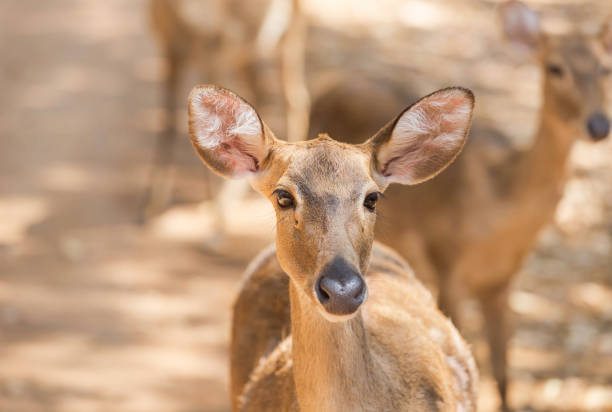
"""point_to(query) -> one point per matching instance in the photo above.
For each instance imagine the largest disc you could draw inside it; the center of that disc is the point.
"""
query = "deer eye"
(605, 71)
(370, 201)
(284, 199)
(554, 69)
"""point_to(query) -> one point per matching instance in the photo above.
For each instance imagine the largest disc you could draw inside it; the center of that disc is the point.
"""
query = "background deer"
(234, 43)
(365, 334)
(469, 230)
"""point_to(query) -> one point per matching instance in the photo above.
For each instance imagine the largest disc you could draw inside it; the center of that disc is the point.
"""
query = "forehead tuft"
(324, 164)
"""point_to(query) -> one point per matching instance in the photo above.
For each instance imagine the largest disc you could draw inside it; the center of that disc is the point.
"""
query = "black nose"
(340, 288)
(598, 126)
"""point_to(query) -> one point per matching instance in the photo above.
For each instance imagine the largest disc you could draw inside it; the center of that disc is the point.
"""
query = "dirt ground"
(99, 313)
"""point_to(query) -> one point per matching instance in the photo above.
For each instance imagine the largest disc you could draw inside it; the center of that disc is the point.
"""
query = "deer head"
(576, 68)
(325, 192)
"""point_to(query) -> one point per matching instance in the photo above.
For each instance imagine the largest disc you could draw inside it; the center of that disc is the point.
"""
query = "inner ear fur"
(417, 154)
(227, 132)
(521, 26)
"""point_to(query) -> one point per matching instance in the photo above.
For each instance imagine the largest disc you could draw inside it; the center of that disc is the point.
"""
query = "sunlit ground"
(97, 313)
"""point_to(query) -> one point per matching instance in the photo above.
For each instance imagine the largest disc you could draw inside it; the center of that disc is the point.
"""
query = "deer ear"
(227, 132)
(606, 35)
(425, 138)
(521, 26)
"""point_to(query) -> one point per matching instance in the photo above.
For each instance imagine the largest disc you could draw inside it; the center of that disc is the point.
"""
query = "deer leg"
(293, 68)
(449, 297)
(496, 312)
(160, 186)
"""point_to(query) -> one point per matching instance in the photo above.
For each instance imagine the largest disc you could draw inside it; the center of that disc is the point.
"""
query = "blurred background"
(99, 311)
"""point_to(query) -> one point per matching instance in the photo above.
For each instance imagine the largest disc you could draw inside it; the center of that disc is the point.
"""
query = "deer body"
(332, 321)
(422, 365)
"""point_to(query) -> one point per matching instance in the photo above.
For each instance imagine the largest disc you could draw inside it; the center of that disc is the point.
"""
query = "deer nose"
(598, 126)
(340, 288)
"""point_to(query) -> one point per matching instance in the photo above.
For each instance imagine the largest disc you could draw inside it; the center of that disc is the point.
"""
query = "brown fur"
(468, 230)
(263, 304)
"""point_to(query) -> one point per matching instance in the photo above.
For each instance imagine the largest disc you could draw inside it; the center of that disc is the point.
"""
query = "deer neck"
(546, 162)
(332, 364)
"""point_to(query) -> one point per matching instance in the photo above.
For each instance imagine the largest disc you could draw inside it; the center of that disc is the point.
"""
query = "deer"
(327, 319)
(232, 43)
(467, 232)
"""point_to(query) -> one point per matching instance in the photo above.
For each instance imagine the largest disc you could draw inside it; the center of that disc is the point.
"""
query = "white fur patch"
(462, 365)
(462, 379)
(247, 124)
(437, 335)
(413, 122)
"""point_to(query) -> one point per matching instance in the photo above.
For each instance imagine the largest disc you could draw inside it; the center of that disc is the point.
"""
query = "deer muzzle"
(598, 126)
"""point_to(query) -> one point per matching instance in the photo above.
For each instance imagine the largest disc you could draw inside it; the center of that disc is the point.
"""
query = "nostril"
(322, 294)
(598, 126)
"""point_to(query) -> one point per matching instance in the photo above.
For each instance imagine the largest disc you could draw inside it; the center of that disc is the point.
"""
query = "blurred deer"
(365, 334)
(230, 43)
(470, 229)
